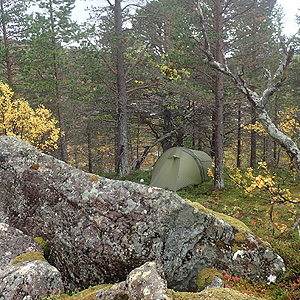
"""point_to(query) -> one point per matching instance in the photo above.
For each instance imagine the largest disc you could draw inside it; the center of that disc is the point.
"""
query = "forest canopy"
(133, 80)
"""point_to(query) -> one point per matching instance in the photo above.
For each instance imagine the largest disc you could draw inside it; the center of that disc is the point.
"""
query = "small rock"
(143, 283)
(29, 280)
(217, 282)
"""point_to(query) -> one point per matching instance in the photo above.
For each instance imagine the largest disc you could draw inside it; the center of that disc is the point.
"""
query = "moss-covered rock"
(44, 245)
(206, 277)
(29, 256)
(235, 223)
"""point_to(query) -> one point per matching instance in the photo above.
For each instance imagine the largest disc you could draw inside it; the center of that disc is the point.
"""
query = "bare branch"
(295, 224)
(150, 146)
(108, 64)
(107, 85)
(110, 4)
(151, 85)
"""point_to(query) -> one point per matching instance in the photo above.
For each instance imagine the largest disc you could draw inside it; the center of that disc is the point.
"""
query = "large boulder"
(99, 229)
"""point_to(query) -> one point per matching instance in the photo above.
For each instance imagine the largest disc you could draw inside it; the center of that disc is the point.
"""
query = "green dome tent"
(179, 167)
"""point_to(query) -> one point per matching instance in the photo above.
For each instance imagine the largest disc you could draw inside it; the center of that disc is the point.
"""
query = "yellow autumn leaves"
(263, 185)
(17, 118)
(286, 120)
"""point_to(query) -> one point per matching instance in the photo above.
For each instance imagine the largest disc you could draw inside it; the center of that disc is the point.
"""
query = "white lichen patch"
(135, 276)
(25, 269)
(86, 194)
(3, 227)
(238, 253)
(271, 279)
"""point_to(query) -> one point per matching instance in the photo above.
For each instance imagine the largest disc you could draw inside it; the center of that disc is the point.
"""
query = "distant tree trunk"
(122, 154)
(274, 151)
(275, 145)
(8, 61)
(89, 142)
(253, 163)
(167, 127)
(213, 137)
(219, 94)
(239, 137)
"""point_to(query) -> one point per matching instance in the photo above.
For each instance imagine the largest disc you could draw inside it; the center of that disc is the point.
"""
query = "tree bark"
(167, 127)
(253, 163)
(239, 137)
(122, 153)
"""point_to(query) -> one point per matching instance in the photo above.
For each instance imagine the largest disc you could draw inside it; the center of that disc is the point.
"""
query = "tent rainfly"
(179, 167)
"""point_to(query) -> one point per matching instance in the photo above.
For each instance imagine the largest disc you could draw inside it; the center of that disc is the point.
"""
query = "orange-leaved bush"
(17, 118)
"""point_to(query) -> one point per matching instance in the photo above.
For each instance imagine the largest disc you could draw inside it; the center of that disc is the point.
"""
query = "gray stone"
(99, 229)
(143, 283)
(217, 282)
(14, 242)
(30, 281)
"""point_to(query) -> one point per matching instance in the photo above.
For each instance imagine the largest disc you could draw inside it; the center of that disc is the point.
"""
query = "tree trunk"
(122, 154)
(167, 127)
(239, 137)
(253, 163)
(219, 94)
(8, 61)
(89, 141)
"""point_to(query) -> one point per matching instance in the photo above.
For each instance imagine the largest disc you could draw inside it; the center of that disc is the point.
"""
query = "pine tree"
(49, 31)
(13, 19)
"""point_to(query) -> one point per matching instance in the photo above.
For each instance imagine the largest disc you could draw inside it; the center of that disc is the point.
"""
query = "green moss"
(88, 294)
(235, 247)
(239, 225)
(44, 245)
(213, 294)
(206, 276)
(28, 256)
(239, 238)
